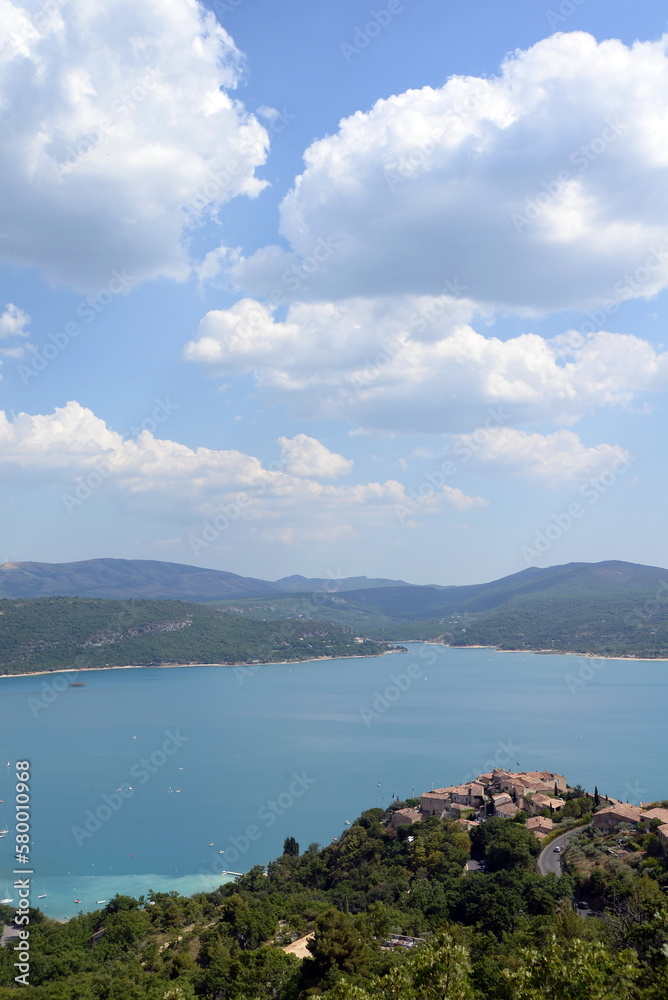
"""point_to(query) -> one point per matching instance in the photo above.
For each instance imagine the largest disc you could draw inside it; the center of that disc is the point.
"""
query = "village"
(539, 795)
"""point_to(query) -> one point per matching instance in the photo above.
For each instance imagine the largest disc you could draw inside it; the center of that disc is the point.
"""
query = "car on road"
(557, 850)
(582, 905)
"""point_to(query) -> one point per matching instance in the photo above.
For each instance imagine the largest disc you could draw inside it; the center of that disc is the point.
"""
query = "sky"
(334, 289)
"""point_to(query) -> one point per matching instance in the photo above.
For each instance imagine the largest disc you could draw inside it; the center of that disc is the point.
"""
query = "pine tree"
(291, 847)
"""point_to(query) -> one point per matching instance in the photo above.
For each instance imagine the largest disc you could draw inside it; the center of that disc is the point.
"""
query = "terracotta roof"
(546, 800)
(469, 823)
(540, 822)
(507, 809)
(408, 815)
(623, 812)
(657, 813)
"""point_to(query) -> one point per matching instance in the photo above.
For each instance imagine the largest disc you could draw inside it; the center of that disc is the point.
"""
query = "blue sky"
(334, 289)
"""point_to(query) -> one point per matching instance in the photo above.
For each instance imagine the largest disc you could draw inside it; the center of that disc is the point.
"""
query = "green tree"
(336, 944)
(574, 970)
(291, 847)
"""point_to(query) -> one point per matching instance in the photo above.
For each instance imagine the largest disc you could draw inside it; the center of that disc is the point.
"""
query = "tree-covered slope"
(504, 934)
(605, 609)
(53, 633)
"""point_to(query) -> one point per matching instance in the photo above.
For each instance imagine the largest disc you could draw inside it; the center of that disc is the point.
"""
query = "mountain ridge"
(125, 579)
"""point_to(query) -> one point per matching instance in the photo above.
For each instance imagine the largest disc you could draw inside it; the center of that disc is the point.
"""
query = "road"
(549, 860)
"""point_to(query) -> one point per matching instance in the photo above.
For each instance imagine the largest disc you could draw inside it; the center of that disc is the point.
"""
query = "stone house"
(662, 834)
(540, 825)
(533, 804)
(613, 816)
(402, 817)
(506, 810)
(432, 803)
(472, 795)
(456, 810)
(656, 813)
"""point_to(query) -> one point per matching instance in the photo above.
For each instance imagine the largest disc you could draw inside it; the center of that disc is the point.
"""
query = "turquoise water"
(296, 749)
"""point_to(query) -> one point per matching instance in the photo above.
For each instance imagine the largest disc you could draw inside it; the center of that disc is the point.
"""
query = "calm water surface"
(296, 749)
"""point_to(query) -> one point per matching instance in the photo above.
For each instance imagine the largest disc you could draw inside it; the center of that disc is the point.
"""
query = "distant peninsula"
(69, 633)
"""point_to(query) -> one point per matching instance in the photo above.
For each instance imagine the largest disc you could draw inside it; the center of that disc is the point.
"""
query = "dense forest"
(631, 626)
(505, 933)
(603, 610)
(55, 633)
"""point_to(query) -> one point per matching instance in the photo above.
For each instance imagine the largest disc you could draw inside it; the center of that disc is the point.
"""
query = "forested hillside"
(605, 609)
(55, 633)
(504, 934)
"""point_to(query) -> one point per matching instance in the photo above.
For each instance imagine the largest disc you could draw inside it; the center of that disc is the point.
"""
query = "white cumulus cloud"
(118, 131)
(306, 456)
(542, 188)
(74, 452)
(552, 460)
(410, 364)
(13, 322)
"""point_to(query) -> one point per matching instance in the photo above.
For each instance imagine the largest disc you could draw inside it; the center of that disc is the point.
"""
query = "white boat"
(101, 900)
(3, 833)
(6, 900)
(43, 896)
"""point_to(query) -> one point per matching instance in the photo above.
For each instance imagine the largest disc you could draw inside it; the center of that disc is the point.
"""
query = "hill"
(124, 579)
(387, 910)
(60, 633)
(609, 609)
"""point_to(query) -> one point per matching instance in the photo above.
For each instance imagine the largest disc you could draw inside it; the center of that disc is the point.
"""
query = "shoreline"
(557, 652)
(170, 666)
(353, 656)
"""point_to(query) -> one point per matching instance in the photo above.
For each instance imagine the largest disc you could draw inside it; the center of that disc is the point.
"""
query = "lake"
(138, 772)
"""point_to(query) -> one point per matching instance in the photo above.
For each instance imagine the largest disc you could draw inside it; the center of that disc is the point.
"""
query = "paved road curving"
(549, 860)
